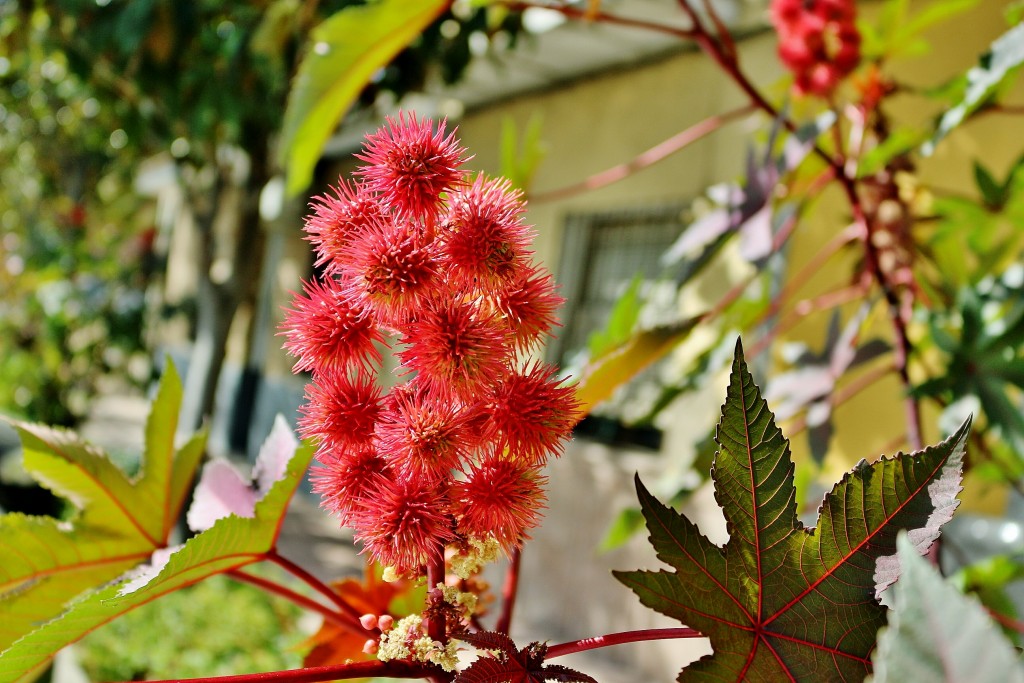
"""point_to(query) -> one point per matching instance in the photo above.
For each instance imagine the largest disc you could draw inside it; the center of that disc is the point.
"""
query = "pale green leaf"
(230, 543)
(344, 53)
(119, 522)
(937, 634)
(604, 374)
(999, 63)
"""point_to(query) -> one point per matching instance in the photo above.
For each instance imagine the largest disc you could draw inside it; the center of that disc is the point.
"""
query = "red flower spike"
(393, 268)
(337, 220)
(532, 412)
(818, 41)
(343, 481)
(325, 329)
(340, 412)
(456, 347)
(485, 241)
(402, 523)
(410, 165)
(499, 497)
(529, 305)
(422, 436)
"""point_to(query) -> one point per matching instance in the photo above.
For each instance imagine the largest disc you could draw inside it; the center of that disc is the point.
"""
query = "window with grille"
(601, 255)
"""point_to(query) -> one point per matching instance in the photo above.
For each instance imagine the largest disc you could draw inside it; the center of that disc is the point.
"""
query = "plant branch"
(335, 672)
(313, 582)
(844, 394)
(435, 576)
(619, 638)
(509, 591)
(653, 155)
(805, 307)
(903, 346)
(342, 620)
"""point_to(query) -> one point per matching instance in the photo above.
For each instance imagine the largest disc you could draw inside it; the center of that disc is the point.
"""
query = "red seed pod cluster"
(419, 255)
(818, 41)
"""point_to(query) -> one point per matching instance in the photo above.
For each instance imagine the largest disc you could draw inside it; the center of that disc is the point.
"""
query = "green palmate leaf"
(781, 602)
(345, 51)
(120, 521)
(603, 374)
(999, 63)
(230, 543)
(937, 634)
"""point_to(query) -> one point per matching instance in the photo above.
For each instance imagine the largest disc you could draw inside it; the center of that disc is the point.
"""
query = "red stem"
(335, 672)
(845, 394)
(655, 154)
(903, 346)
(435, 575)
(619, 638)
(301, 600)
(509, 591)
(314, 583)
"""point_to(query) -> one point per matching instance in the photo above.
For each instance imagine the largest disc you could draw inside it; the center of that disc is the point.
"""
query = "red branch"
(509, 591)
(435, 575)
(336, 672)
(314, 583)
(620, 638)
(655, 154)
(343, 620)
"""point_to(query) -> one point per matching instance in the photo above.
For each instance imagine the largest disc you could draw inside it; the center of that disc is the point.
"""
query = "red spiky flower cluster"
(418, 253)
(818, 41)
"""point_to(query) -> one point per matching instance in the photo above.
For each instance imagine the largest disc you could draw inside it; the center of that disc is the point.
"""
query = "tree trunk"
(217, 302)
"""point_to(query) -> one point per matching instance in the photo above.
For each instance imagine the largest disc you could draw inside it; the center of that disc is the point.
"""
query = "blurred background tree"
(91, 89)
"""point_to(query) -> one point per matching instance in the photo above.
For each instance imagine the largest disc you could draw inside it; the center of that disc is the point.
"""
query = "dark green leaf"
(781, 602)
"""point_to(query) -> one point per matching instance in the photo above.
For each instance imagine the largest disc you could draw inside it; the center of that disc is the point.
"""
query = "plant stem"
(435, 576)
(313, 582)
(619, 638)
(837, 398)
(297, 598)
(509, 591)
(653, 155)
(335, 672)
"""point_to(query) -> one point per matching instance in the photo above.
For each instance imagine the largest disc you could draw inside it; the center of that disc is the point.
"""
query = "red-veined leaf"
(780, 602)
(120, 522)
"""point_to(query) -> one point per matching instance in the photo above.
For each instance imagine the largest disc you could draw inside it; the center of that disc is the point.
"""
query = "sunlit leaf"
(344, 53)
(995, 66)
(606, 373)
(779, 601)
(230, 543)
(936, 634)
(119, 521)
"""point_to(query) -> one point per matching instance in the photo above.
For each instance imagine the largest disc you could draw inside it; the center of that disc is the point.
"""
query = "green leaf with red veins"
(118, 524)
(231, 541)
(780, 602)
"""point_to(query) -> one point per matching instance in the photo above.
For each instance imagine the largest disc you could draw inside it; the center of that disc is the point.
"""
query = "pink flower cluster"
(436, 266)
(818, 41)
